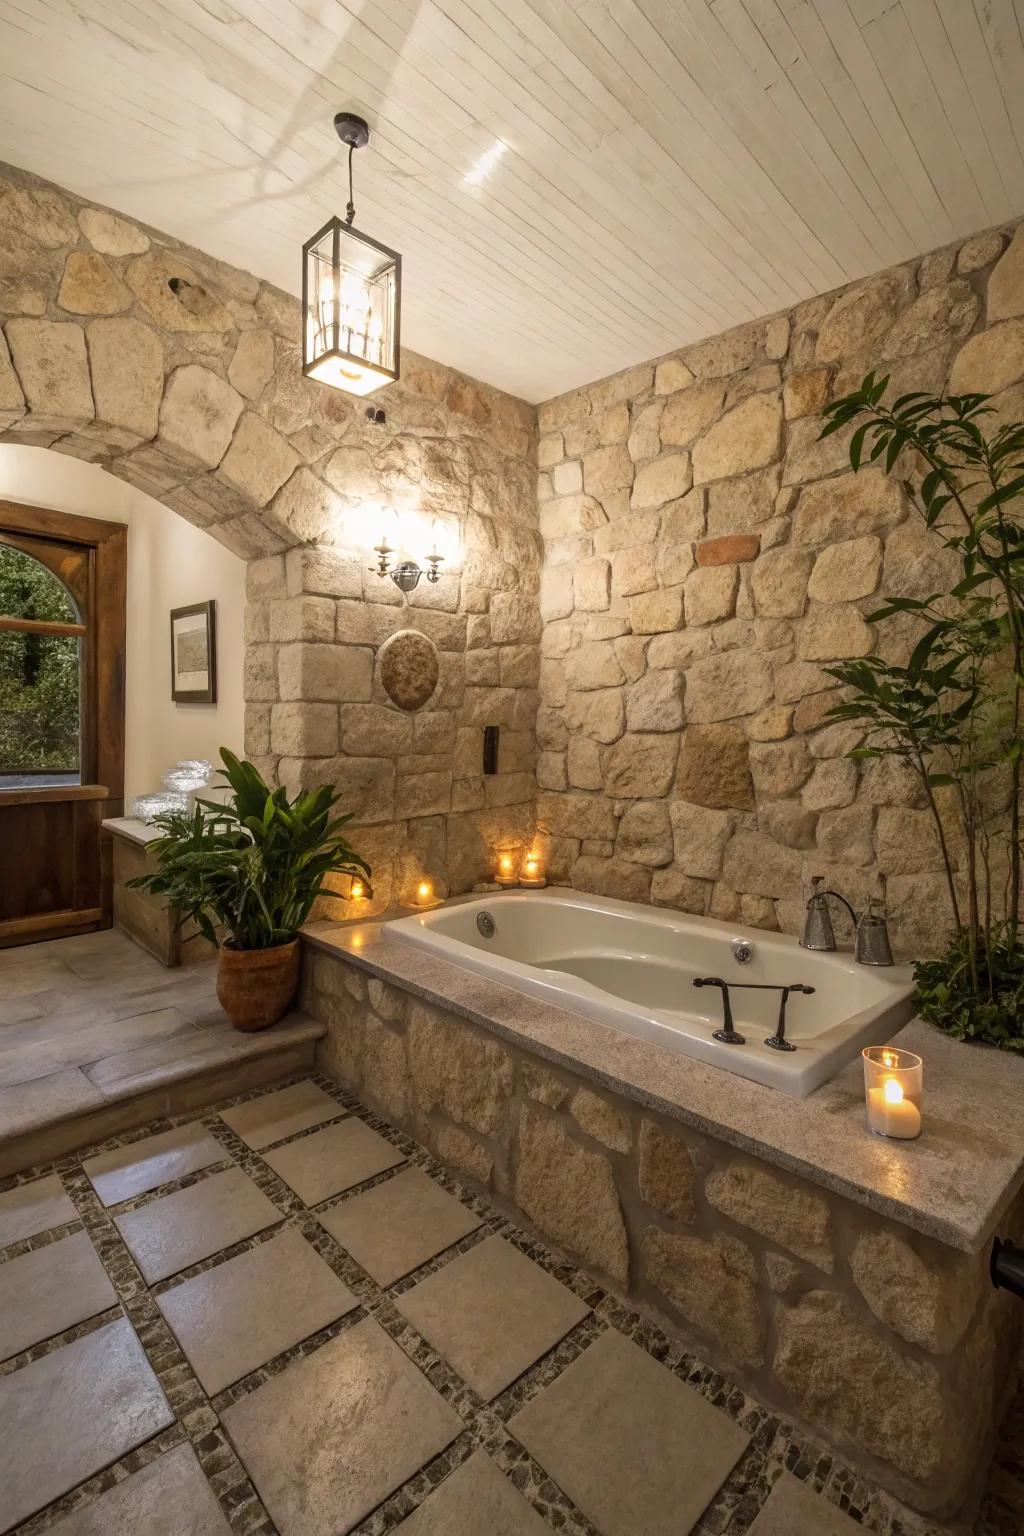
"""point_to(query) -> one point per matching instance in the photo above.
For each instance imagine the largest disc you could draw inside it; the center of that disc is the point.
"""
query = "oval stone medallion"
(409, 668)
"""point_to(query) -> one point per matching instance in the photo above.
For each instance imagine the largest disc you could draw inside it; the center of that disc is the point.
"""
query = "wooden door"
(62, 642)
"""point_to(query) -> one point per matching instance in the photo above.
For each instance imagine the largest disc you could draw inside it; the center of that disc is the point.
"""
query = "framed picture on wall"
(194, 654)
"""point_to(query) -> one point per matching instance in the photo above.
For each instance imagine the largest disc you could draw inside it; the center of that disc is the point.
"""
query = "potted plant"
(248, 872)
(953, 710)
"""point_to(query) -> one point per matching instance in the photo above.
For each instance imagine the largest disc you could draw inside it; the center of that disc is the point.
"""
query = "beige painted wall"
(170, 564)
(707, 558)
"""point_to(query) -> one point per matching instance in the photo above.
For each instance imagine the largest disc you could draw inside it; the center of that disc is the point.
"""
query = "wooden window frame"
(103, 667)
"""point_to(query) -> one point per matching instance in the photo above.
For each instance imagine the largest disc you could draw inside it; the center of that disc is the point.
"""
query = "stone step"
(50, 1116)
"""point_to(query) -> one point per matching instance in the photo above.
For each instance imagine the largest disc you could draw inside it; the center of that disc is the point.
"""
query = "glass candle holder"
(507, 874)
(531, 874)
(893, 1091)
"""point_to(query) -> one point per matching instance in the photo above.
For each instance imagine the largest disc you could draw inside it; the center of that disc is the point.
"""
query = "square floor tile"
(178, 1230)
(333, 1159)
(491, 1313)
(32, 1208)
(476, 1500)
(397, 1226)
(632, 1445)
(144, 1165)
(71, 1413)
(793, 1509)
(241, 1314)
(51, 1289)
(338, 1431)
(169, 1497)
(273, 1116)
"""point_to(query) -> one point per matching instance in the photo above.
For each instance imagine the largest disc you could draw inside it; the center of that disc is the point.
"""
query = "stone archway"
(182, 375)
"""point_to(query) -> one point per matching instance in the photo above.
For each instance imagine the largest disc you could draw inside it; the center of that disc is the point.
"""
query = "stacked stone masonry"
(707, 558)
(693, 561)
(893, 1344)
(183, 376)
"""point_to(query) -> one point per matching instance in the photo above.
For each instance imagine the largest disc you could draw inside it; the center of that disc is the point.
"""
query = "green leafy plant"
(953, 710)
(252, 867)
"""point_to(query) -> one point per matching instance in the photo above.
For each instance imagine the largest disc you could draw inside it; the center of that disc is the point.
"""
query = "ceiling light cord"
(350, 211)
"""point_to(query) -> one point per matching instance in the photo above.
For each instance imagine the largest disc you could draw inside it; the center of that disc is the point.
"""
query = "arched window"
(42, 653)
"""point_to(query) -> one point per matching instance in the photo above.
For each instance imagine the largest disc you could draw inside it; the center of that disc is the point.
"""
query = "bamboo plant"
(953, 710)
(252, 868)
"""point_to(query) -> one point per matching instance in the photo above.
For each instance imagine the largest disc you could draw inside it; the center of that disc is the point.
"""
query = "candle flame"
(506, 863)
(358, 890)
(893, 1091)
(531, 866)
(423, 890)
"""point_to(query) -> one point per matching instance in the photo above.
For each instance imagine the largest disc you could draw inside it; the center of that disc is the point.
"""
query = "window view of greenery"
(39, 674)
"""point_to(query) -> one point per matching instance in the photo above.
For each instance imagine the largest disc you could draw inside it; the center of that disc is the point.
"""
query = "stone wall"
(182, 375)
(705, 558)
(893, 1345)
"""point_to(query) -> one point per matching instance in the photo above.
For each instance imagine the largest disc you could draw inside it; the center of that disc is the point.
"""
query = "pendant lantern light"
(351, 295)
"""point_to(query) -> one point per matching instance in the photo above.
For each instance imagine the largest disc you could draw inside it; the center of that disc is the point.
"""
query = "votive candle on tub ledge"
(423, 896)
(893, 1091)
(532, 875)
(507, 874)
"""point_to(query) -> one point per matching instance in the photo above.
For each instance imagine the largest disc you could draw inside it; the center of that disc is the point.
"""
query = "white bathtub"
(633, 967)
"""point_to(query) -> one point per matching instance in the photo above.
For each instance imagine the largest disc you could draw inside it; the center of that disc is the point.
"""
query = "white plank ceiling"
(575, 184)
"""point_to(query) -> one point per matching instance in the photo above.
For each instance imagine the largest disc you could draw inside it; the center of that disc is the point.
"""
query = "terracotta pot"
(256, 986)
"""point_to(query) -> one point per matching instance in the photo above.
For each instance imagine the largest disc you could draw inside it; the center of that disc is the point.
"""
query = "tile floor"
(282, 1315)
(94, 1020)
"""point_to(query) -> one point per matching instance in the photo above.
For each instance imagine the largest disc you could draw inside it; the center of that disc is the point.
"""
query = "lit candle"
(424, 891)
(531, 875)
(507, 870)
(891, 1113)
(893, 1086)
(358, 891)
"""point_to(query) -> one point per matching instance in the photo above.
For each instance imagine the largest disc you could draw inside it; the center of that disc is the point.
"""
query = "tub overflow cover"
(485, 923)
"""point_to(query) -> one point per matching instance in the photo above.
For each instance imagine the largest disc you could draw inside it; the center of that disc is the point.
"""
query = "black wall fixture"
(490, 749)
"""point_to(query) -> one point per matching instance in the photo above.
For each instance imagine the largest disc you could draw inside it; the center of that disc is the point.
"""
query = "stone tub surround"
(706, 557)
(839, 1276)
(953, 1185)
(195, 394)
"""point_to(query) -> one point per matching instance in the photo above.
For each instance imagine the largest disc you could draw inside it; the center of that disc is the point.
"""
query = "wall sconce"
(351, 295)
(405, 573)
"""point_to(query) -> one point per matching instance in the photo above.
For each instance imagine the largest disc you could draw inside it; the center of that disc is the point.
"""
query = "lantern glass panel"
(351, 289)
